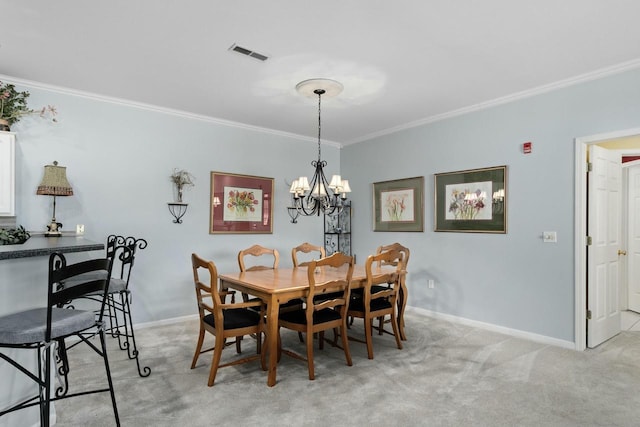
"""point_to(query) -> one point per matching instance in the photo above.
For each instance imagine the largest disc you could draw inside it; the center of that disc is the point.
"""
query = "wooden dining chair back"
(263, 258)
(257, 257)
(320, 315)
(309, 250)
(379, 294)
(402, 292)
(221, 319)
(394, 246)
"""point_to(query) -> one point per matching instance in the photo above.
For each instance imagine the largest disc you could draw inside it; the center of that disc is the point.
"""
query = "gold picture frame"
(240, 204)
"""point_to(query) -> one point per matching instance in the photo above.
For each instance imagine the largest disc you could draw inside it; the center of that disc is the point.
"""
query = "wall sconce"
(177, 210)
(181, 180)
(293, 213)
(54, 183)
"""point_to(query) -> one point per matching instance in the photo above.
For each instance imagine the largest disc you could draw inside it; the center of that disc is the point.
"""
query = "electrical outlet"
(432, 284)
(80, 229)
(549, 237)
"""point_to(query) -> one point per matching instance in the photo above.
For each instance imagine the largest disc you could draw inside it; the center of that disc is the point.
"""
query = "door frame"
(625, 220)
(580, 229)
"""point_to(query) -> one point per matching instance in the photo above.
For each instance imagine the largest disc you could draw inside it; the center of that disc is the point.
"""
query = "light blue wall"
(118, 161)
(512, 280)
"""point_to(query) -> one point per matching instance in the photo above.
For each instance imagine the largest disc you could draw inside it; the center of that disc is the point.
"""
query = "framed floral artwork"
(240, 204)
(398, 205)
(472, 201)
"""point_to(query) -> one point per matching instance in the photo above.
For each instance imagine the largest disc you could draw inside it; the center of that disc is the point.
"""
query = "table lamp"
(54, 183)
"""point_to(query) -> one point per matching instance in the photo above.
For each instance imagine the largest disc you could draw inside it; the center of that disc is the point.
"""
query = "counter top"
(44, 246)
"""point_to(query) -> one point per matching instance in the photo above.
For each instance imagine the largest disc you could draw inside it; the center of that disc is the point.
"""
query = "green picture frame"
(471, 201)
(398, 205)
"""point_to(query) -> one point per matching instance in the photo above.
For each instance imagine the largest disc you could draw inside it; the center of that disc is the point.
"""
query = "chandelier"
(318, 195)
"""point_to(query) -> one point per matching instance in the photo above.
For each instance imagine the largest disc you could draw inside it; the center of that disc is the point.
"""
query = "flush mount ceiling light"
(318, 195)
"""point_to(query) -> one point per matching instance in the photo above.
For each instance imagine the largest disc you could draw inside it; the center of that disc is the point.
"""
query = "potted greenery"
(13, 236)
(13, 106)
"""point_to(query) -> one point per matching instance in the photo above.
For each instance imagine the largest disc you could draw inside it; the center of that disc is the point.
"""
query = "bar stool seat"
(30, 326)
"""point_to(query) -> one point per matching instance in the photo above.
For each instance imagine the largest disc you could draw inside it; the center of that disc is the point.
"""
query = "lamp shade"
(54, 182)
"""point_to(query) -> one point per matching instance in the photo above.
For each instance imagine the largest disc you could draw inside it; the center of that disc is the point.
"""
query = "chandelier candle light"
(54, 183)
(318, 195)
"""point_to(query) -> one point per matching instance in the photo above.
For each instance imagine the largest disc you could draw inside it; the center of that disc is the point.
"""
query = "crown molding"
(158, 109)
(583, 78)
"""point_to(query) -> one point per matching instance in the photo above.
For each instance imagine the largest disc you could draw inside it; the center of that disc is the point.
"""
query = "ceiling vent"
(248, 52)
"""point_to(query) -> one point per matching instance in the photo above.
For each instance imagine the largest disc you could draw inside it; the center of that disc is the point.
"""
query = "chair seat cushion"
(330, 295)
(26, 327)
(357, 304)
(374, 289)
(116, 284)
(235, 318)
(300, 316)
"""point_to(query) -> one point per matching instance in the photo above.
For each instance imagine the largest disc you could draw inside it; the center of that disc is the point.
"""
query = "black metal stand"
(178, 210)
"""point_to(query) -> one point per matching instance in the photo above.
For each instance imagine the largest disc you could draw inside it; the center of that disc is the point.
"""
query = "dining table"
(277, 286)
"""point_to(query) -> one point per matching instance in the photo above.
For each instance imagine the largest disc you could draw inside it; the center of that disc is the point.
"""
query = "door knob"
(621, 252)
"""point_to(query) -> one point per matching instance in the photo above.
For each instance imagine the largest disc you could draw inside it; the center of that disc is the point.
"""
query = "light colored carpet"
(446, 375)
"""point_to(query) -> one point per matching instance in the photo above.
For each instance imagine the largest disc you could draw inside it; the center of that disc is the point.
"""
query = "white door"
(633, 237)
(604, 206)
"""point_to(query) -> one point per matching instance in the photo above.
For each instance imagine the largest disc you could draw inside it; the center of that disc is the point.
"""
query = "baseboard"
(542, 339)
(164, 322)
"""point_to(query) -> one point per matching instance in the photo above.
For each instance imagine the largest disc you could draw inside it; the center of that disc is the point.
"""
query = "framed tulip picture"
(240, 204)
(398, 205)
(472, 201)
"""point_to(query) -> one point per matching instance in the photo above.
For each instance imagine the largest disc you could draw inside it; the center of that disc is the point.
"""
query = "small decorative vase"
(4, 125)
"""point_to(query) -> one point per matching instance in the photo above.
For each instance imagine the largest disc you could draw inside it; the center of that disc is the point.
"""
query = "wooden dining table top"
(283, 280)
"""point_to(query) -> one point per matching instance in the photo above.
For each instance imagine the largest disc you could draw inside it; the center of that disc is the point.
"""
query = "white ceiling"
(401, 62)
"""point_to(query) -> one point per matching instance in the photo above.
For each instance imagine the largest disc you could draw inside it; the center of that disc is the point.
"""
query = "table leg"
(402, 302)
(273, 308)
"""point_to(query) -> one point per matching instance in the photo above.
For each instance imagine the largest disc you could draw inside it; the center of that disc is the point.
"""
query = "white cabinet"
(7, 174)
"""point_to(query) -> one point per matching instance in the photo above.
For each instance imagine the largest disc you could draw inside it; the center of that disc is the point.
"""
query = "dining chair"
(308, 249)
(402, 291)
(379, 295)
(222, 320)
(45, 329)
(320, 315)
(259, 254)
(263, 258)
(120, 295)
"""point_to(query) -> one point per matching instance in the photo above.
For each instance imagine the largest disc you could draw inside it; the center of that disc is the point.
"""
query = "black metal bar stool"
(46, 328)
(119, 298)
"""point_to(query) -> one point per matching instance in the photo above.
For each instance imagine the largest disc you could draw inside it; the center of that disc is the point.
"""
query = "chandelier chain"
(319, 92)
